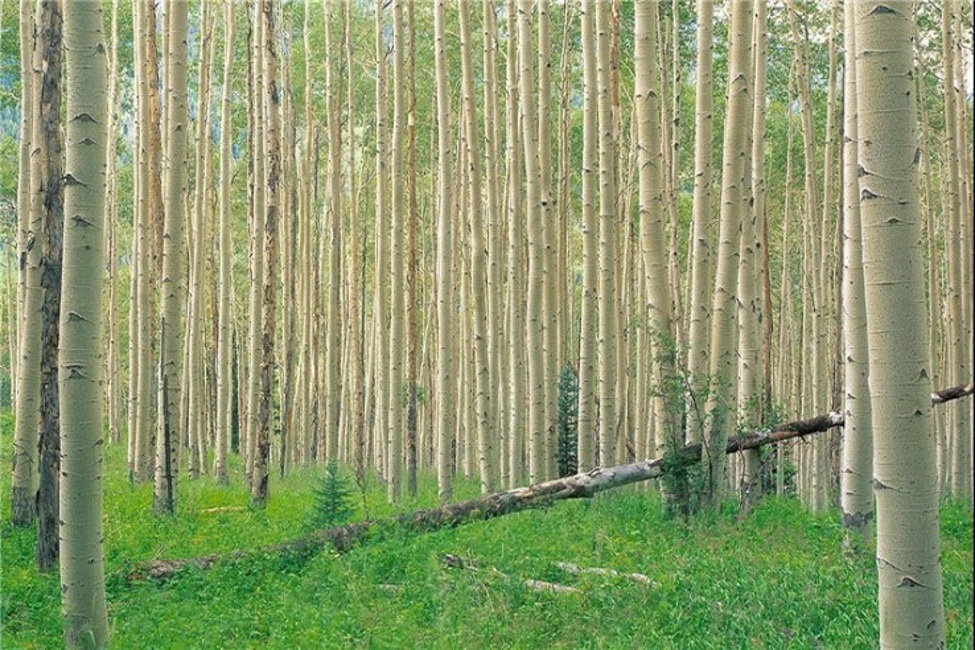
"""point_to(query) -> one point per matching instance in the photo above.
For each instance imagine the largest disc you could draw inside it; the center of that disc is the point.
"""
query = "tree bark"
(48, 148)
(81, 547)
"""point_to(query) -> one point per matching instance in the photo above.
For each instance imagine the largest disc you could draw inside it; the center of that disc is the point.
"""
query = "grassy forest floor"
(774, 579)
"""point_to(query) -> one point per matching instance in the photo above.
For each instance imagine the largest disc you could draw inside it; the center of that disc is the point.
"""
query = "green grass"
(775, 579)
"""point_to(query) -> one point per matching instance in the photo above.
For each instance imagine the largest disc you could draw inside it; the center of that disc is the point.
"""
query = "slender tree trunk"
(699, 310)
(445, 288)
(516, 257)
(82, 557)
(734, 206)
(271, 98)
(397, 268)
(856, 473)
(478, 247)
(905, 475)
(173, 290)
(588, 330)
(608, 326)
(224, 287)
(48, 148)
(26, 369)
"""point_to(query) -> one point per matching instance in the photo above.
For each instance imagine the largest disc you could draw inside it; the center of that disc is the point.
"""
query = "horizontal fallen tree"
(579, 486)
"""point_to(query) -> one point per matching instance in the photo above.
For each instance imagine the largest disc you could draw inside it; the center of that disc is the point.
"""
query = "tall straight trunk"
(516, 257)
(195, 326)
(356, 280)
(258, 265)
(333, 403)
(734, 206)
(958, 340)
(26, 33)
(493, 201)
(533, 198)
(82, 557)
(397, 266)
(856, 470)
(113, 390)
(588, 332)
(750, 271)
(224, 305)
(653, 232)
(549, 233)
(608, 217)
(478, 247)
(150, 247)
(412, 324)
(48, 148)
(26, 368)
(381, 276)
(271, 98)
(445, 288)
(173, 289)
(911, 602)
(699, 309)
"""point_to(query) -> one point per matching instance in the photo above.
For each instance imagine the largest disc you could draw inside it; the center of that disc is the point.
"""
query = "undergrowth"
(774, 579)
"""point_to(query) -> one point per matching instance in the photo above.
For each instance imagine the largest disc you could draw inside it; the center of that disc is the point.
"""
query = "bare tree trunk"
(48, 148)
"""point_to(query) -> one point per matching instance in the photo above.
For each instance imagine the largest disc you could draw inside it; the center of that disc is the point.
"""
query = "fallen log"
(579, 486)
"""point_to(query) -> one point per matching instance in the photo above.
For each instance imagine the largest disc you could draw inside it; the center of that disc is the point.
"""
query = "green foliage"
(776, 578)
(334, 495)
(567, 422)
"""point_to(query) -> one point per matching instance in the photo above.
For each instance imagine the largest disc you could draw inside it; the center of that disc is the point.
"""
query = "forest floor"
(774, 579)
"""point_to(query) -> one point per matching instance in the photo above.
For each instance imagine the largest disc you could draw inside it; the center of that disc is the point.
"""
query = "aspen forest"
(495, 324)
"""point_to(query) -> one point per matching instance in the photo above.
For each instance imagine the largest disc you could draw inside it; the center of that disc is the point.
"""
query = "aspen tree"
(549, 234)
(381, 275)
(307, 265)
(492, 196)
(485, 427)
(750, 379)
(224, 375)
(82, 558)
(958, 361)
(588, 332)
(333, 400)
(48, 147)
(258, 265)
(533, 214)
(412, 326)
(911, 602)
(142, 398)
(856, 471)
(28, 357)
(653, 238)
(356, 280)
(172, 280)
(734, 205)
(516, 257)
(608, 326)
(113, 392)
(699, 309)
(194, 331)
(445, 289)
(271, 99)
(397, 267)
(26, 30)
